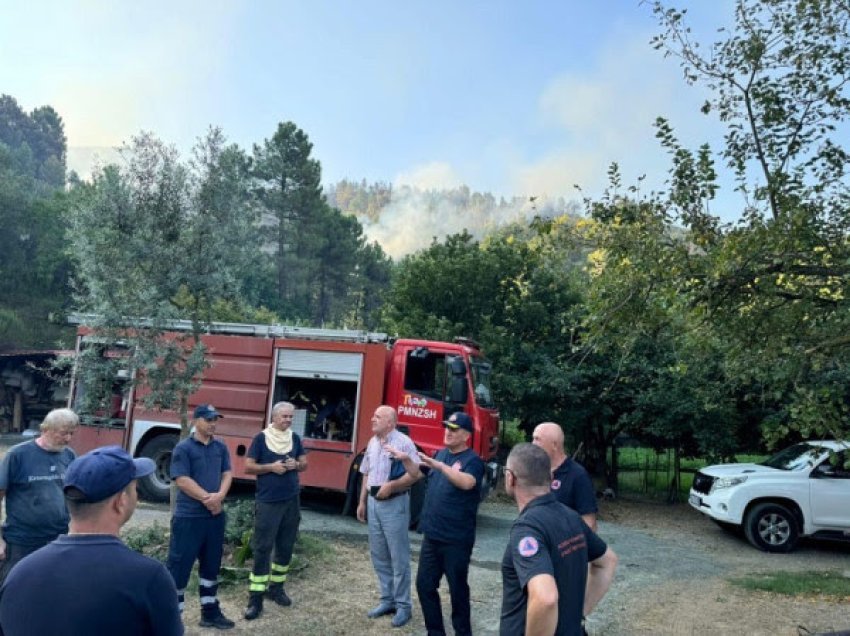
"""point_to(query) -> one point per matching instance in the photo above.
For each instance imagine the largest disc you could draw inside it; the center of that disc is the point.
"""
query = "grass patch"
(831, 584)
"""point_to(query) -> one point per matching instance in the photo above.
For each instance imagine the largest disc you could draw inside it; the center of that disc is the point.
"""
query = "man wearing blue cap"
(94, 584)
(448, 523)
(200, 465)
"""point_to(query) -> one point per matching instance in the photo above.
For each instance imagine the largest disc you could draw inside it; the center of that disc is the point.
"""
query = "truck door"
(435, 386)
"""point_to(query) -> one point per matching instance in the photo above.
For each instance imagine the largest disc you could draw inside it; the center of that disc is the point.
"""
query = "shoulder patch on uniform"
(556, 484)
(528, 546)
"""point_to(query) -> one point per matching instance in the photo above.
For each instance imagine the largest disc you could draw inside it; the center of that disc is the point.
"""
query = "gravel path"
(670, 558)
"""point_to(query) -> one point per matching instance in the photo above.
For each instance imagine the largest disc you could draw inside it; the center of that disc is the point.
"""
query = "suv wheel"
(771, 527)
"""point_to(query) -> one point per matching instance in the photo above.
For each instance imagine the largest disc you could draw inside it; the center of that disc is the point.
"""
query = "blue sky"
(521, 98)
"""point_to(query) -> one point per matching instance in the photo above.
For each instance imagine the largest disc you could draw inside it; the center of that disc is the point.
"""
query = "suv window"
(796, 457)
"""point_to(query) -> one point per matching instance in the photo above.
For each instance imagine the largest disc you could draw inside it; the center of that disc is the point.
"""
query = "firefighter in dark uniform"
(571, 483)
(448, 523)
(276, 456)
(200, 465)
(547, 584)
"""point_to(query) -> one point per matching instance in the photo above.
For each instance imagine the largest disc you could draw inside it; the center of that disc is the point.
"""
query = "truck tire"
(156, 487)
(771, 527)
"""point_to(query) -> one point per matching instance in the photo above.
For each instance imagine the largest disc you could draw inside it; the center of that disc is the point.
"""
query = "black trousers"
(275, 527)
(436, 559)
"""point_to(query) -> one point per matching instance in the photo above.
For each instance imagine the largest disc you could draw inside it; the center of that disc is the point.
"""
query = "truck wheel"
(157, 486)
(771, 527)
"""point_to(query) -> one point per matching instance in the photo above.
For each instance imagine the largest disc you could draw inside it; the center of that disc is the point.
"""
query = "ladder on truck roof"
(246, 329)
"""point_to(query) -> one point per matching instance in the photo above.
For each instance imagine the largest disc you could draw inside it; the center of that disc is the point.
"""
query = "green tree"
(156, 240)
(34, 268)
(288, 187)
(771, 291)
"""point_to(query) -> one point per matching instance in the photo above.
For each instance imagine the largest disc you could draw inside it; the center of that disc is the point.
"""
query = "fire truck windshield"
(481, 373)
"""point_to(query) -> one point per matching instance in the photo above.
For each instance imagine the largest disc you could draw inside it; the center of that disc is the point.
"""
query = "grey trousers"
(389, 545)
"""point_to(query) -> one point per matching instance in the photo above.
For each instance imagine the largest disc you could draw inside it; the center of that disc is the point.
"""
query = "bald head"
(384, 420)
(550, 437)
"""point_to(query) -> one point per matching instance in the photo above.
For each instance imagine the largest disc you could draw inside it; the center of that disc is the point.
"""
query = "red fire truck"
(335, 378)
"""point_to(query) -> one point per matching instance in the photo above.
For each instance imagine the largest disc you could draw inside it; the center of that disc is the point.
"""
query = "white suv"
(799, 492)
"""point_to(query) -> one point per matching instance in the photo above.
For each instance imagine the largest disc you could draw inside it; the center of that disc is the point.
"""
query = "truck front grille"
(702, 483)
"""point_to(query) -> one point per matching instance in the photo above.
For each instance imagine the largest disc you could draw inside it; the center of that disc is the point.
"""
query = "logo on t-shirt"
(528, 546)
(556, 483)
(457, 465)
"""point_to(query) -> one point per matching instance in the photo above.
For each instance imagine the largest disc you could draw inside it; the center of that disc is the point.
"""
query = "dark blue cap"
(104, 472)
(206, 411)
(459, 420)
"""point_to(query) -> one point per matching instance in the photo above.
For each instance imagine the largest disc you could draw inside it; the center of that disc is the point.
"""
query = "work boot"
(211, 616)
(255, 606)
(278, 595)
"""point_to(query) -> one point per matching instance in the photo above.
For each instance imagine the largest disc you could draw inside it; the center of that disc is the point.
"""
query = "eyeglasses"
(506, 470)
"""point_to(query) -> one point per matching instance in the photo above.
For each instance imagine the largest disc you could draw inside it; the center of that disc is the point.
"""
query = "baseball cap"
(459, 420)
(105, 471)
(206, 411)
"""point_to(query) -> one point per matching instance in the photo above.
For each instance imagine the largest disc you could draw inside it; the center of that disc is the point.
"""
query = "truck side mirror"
(459, 389)
(457, 366)
(459, 392)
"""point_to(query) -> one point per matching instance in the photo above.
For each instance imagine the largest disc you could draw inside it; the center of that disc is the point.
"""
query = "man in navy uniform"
(95, 584)
(448, 523)
(547, 586)
(200, 465)
(571, 483)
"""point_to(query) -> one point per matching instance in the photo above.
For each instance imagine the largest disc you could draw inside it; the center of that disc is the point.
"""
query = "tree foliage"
(324, 271)
(34, 268)
(768, 294)
(154, 242)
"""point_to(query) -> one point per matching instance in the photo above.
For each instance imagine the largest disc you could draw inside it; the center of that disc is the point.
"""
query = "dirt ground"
(710, 604)
(697, 599)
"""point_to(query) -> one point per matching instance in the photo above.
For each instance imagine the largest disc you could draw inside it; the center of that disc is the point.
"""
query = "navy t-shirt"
(35, 505)
(272, 487)
(547, 538)
(202, 462)
(89, 585)
(572, 486)
(449, 513)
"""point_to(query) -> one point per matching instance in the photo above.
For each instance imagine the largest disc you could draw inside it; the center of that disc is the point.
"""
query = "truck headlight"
(727, 482)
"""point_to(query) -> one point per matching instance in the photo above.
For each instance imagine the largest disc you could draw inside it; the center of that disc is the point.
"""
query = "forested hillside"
(34, 265)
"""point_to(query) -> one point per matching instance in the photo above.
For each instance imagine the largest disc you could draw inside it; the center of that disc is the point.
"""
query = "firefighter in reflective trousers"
(276, 456)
